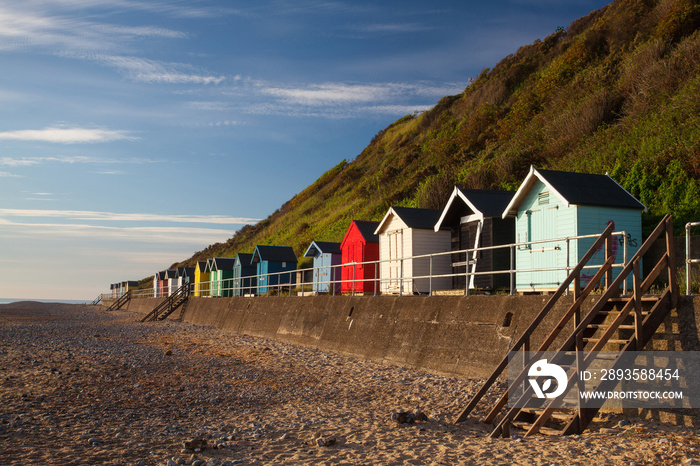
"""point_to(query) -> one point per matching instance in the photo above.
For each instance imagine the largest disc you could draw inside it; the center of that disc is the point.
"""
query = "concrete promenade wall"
(465, 336)
(451, 335)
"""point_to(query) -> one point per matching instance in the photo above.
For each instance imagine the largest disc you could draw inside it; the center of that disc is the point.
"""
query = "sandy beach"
(79, 385)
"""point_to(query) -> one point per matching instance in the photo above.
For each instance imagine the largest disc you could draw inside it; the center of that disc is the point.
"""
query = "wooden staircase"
(171, 304)
(116, 305)
(96, 301)
(614, 324)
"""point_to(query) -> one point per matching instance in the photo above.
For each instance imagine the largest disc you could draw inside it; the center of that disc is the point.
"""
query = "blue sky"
(136, 132)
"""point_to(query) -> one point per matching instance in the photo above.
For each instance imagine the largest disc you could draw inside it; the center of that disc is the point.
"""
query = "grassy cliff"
(617, 91)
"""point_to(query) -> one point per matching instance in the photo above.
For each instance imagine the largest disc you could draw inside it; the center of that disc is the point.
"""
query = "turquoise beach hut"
(554, 205)
(327, 257)
(272, 260)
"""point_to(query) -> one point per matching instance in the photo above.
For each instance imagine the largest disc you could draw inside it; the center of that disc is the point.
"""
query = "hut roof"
(576, 188)
(222, 263)
(424, 219)
(482, 202)
(274, 254)
(322, 247)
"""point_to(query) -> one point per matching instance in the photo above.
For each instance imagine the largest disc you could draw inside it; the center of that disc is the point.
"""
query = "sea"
(62, 301)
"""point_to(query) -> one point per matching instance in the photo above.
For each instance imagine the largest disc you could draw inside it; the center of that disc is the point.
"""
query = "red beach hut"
(360, 244)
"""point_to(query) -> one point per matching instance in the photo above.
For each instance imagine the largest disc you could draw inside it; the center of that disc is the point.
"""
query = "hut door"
(395, 254)
(543, 225)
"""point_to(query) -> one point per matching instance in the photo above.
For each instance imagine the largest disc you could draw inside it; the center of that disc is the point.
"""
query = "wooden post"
(637, 297)
(608, 253)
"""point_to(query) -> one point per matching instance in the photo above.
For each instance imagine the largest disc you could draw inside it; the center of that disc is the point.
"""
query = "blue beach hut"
(326, 255)
(272, 260)
(555, 204)
(244, 280)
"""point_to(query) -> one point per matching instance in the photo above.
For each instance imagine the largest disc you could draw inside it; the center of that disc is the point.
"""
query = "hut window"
(284, 264)
(543, 198)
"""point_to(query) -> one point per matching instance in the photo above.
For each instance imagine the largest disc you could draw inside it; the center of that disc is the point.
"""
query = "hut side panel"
(430, 242)
(593, 220)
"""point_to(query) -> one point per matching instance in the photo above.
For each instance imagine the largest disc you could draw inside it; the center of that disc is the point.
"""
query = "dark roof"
(275, 253)
(323, 247)
(589, 189)
(577, 189)
(188, 272)
(223, 263)
(418, 218)
(172, 273)
(487, 202)
(366, 228)
(491, 203)
(244, 257)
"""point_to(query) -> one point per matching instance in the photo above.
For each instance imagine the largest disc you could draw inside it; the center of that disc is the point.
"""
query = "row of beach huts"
(415, 251)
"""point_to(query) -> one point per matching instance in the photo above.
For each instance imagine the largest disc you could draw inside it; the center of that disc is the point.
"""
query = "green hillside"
(618, 92)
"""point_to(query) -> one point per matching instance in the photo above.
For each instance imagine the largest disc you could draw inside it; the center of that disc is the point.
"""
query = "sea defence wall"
(459, 336)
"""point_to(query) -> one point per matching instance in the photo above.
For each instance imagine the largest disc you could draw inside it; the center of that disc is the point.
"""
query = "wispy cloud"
(173, 235)
(325, 94)
(30, 161)
(150, 71)
(9, 175)
(342, 100)
(389, 28)
(67, 135)
(126, 217)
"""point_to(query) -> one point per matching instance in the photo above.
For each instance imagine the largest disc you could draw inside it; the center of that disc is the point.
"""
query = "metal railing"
(399, 276)
(688, 260)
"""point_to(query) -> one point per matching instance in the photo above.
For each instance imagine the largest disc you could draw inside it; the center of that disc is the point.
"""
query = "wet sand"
(79, 385)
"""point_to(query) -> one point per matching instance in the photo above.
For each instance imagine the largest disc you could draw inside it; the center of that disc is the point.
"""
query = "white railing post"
(568, 251)
(430, 281)
(512, 270)
(353, 279)
(375, 283)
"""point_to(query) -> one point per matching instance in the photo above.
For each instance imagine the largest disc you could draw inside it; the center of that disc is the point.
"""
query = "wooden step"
(625, 299)
(611, 341)
(620, 327)
(543, 430)
(558, 415)
(611, 312)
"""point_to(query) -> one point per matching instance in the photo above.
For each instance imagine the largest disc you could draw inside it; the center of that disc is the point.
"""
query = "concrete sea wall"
(451, 335)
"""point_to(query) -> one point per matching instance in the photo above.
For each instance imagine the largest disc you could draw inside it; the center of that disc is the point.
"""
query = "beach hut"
(185, 275)
(221, 276)
(359, 245)
(272, 260)
(404, 233)
(201, 279)
(244, 271)
(160, 284)
(171, 280)
(474, 217)
(326, 273)
(554, 204)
